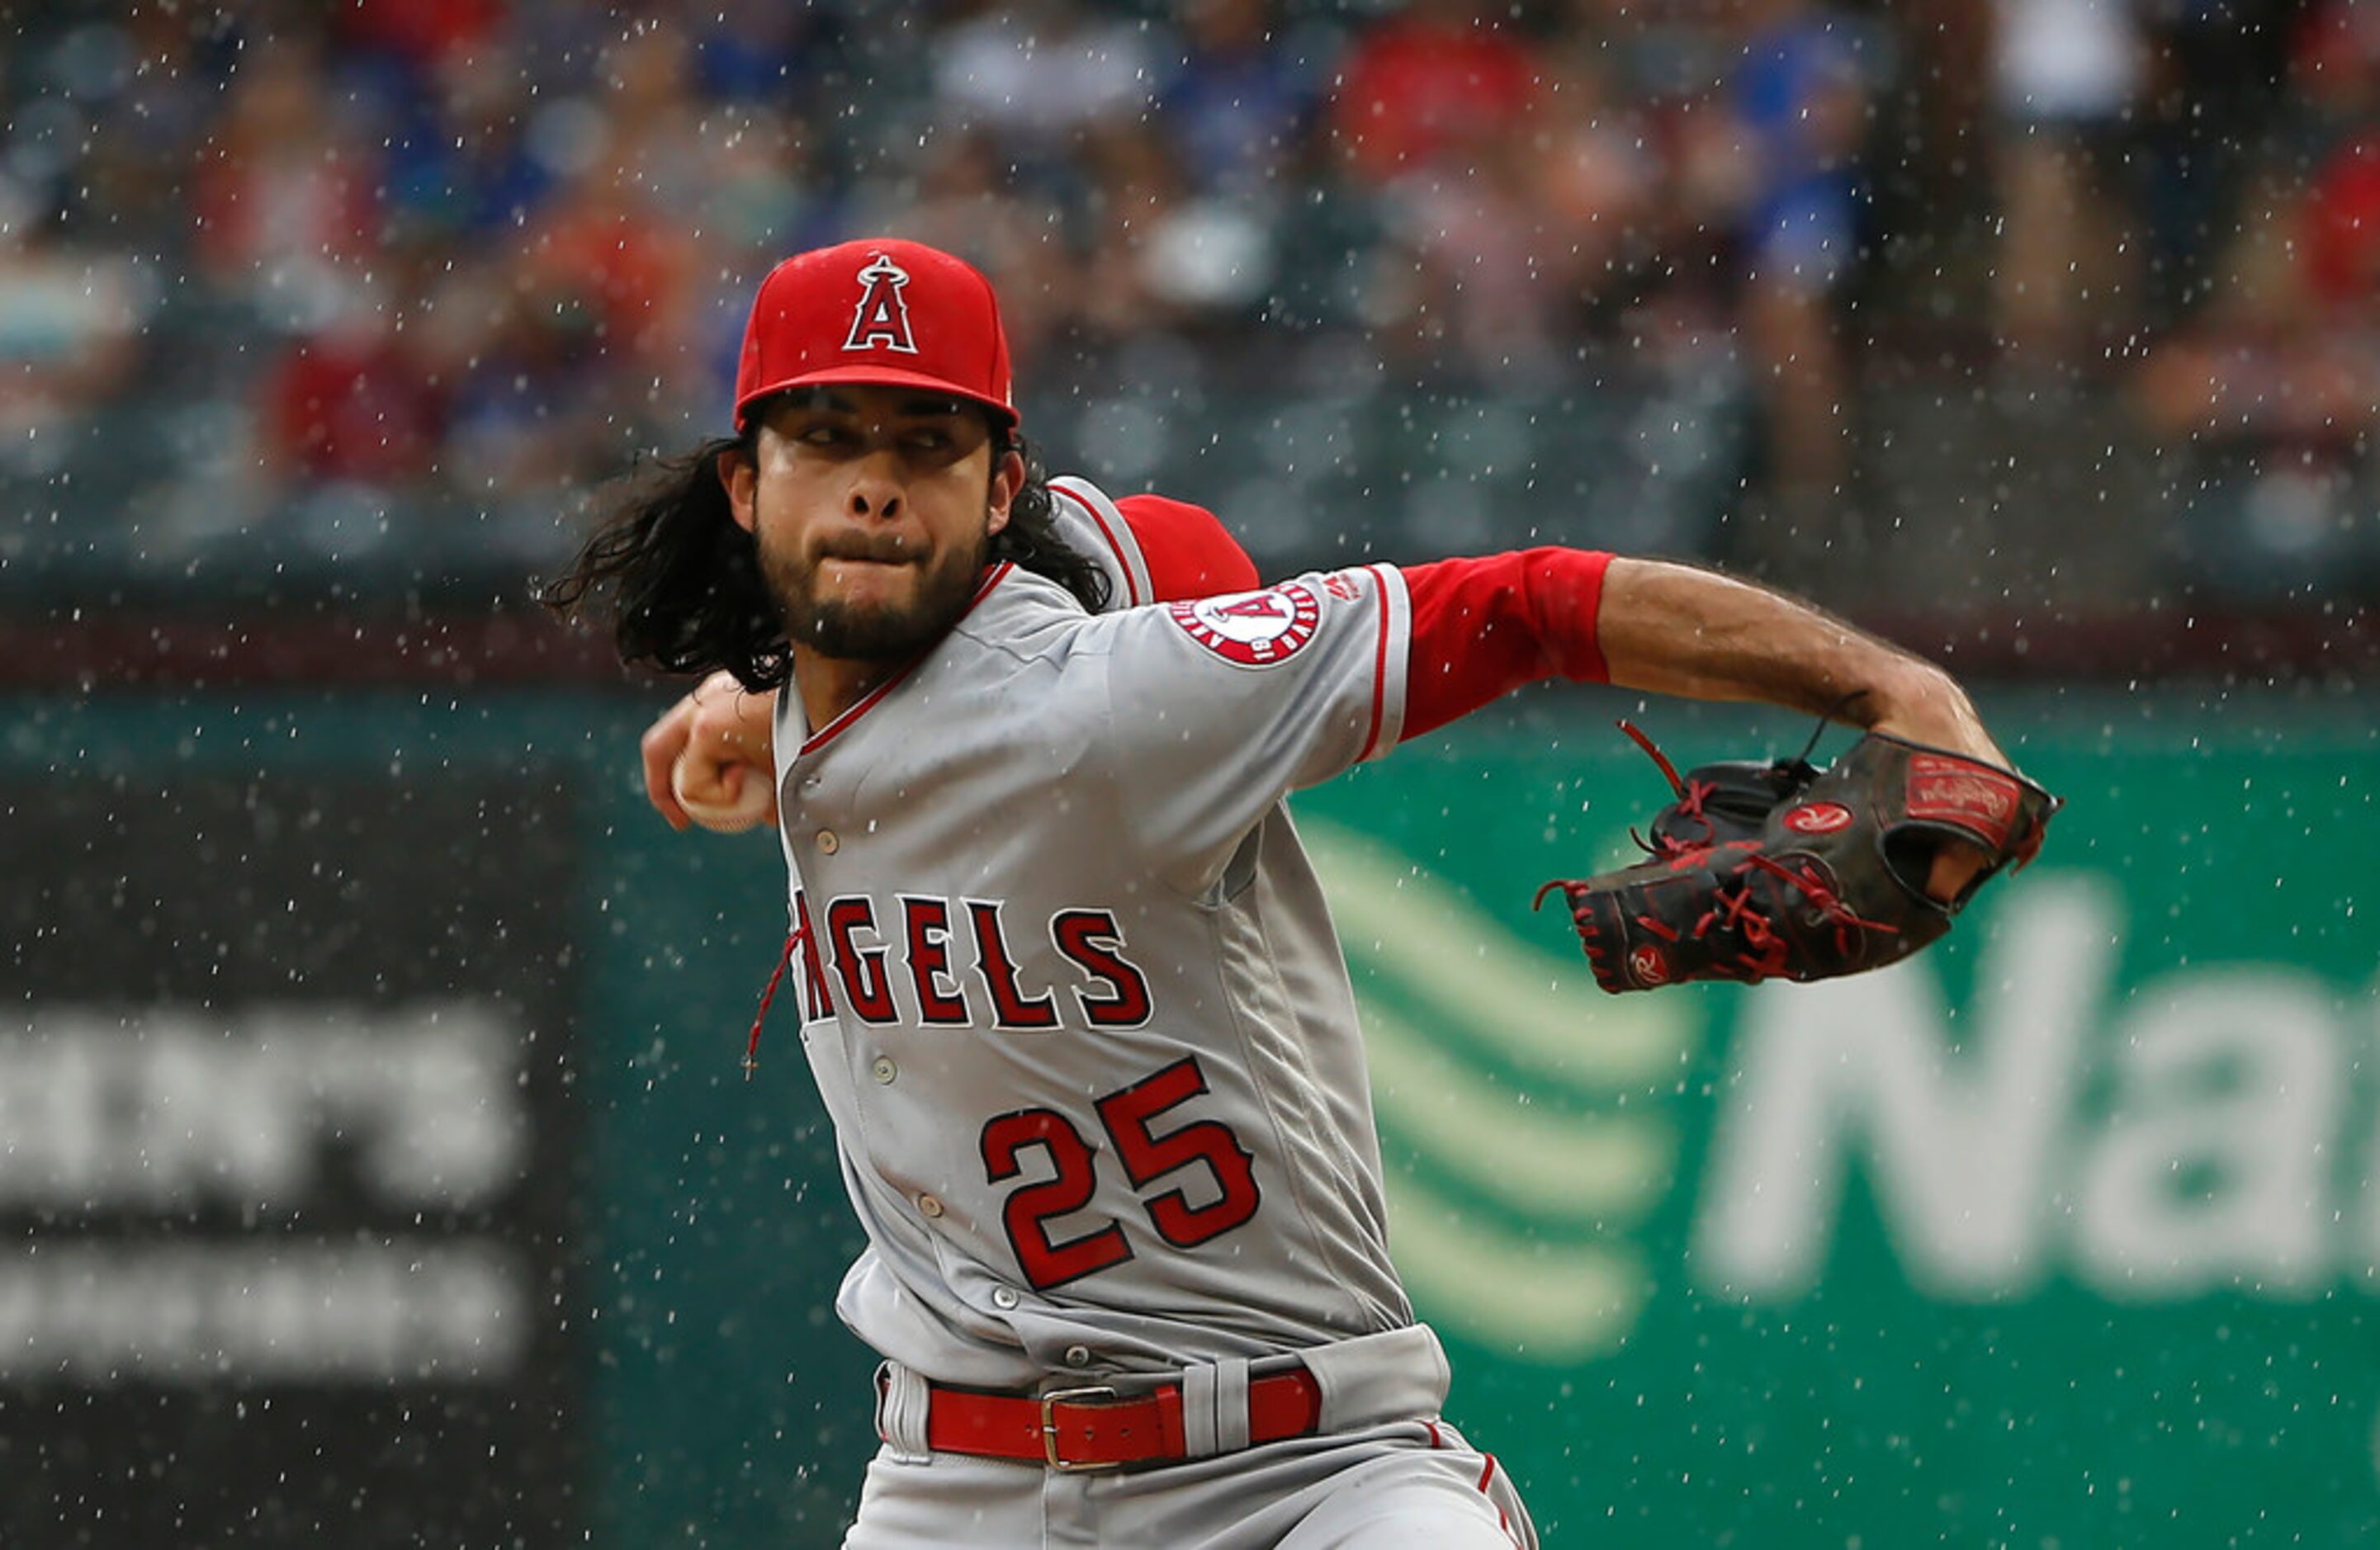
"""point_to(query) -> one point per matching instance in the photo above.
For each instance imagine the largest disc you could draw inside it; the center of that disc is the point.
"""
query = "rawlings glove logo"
(1817, 817)
(1961, 791)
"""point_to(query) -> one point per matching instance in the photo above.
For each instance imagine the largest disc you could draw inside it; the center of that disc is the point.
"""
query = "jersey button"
(1003, 1297)
(883, 1069)
(1078, 1356)
(929, 1205)
(827, 842)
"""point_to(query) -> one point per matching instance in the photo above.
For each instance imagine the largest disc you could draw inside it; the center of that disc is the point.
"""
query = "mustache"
(884, 549)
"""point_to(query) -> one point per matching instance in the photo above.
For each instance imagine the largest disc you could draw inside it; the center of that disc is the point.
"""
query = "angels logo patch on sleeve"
(1254, 629)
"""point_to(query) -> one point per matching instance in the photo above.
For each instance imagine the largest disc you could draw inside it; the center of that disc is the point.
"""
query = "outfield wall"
(374, 1151)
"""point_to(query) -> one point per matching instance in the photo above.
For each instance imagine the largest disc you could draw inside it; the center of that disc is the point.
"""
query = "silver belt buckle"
(1050, 1427)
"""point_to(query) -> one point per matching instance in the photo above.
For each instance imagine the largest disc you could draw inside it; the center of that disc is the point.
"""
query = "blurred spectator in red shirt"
(2272, 389)
(2342, 227)
(1430, 80)
(2336, 69)
(2288, 349)
(355, 403)
(424, 35)
(286, 203)
(604, 250)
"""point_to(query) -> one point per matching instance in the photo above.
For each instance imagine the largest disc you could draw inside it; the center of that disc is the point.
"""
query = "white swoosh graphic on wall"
(1466, 966)
(1453, 1006)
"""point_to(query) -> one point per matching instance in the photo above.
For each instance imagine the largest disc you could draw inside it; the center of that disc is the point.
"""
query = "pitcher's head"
(876, 469)
(874, 508)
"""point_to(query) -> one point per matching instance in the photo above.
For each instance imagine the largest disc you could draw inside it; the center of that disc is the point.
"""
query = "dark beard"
(872, 632)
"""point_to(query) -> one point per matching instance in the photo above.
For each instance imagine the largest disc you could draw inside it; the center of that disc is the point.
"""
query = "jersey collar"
(874, 696)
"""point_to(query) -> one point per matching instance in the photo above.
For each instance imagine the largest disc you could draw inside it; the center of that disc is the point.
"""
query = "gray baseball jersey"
(1069, 987)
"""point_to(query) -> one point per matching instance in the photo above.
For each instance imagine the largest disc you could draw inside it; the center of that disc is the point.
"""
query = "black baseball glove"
(1762, 871)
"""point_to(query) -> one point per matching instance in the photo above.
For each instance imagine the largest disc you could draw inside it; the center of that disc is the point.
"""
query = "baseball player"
(1066, 981)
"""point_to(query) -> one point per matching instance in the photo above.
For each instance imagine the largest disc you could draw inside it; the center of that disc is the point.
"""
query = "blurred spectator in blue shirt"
(462, 162)
(1236, 101)
(1797, 114)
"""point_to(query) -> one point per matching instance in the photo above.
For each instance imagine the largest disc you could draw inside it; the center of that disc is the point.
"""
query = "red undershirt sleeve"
(1481, 628)
(1189, 554)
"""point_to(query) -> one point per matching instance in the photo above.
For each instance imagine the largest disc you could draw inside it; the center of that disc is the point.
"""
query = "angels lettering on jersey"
(953, 964)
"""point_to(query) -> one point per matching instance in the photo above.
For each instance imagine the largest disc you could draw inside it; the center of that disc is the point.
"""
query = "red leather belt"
(1095, 1429)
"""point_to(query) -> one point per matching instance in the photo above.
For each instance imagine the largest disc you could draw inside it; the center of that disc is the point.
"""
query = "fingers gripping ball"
(1781, 870)
(725, 799)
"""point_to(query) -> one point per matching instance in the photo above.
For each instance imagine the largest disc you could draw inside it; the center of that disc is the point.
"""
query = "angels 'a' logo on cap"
(881, 318)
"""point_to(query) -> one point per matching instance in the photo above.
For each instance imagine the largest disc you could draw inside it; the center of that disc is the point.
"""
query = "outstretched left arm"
(1484, 626)
(1675, 630)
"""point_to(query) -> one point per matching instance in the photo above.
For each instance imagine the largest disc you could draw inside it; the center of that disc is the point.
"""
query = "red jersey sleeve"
(1188, 552)
(1484, 627)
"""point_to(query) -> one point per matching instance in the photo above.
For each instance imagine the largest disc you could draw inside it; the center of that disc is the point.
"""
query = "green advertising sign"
(2064, 1233)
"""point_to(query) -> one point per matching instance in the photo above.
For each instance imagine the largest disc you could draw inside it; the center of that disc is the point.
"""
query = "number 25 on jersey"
(1130, 1117)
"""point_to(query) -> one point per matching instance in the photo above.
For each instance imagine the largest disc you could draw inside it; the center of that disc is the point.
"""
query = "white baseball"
(725, 799)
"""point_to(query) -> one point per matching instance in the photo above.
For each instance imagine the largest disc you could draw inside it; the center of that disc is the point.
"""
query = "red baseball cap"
(880, 311)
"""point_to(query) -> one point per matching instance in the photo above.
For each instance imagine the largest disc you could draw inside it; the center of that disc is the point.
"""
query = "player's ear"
(740, 475)
(1007, 478)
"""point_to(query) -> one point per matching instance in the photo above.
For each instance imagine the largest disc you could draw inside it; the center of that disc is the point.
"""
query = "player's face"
(874, 509)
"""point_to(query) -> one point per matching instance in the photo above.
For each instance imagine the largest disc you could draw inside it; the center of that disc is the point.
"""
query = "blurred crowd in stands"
(337, 259)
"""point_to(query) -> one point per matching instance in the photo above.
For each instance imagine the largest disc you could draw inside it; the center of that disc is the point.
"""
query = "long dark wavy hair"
(680, 583)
